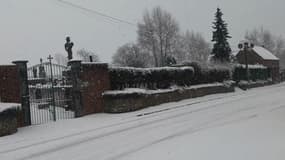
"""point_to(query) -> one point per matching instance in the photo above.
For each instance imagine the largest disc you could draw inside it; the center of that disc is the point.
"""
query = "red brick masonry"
(10, 88)
(10, 84)
(95, 80)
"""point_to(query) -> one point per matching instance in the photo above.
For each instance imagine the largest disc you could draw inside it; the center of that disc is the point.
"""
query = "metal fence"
(50, 93)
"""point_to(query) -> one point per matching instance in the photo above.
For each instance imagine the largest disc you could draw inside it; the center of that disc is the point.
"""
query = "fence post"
(77, 104)
(52, 88)
(25, 101)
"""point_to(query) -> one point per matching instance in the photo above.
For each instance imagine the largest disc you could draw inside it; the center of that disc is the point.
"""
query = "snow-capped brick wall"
(9, 84)
(135, 99)
(91, 80)
(8, 118)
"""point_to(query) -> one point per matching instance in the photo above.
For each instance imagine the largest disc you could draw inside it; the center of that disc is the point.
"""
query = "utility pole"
(246, 60)
(244, 47)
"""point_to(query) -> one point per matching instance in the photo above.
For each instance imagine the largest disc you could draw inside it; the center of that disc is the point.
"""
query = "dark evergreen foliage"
(164, 77)
(221, 49)
(255, 74)
(151, 78)
(209, 74)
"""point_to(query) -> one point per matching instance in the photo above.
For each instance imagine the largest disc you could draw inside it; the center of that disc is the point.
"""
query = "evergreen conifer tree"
(221, 49)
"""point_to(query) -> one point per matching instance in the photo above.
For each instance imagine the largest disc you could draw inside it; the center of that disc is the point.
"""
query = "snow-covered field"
(242, 125)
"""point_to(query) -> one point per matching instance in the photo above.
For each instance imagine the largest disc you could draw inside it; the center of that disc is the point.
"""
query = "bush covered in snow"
(8, 118)
(152, 78)
(205, 73)
(188, 74)
(256, 72)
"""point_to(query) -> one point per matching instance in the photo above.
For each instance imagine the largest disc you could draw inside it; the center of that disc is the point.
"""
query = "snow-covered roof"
(264, 53)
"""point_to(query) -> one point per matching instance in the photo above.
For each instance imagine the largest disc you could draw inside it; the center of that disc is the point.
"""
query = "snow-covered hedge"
(8, 118)
(164, 77)
(205, 73)
(256, 66)
(153, 78)
(256, 72)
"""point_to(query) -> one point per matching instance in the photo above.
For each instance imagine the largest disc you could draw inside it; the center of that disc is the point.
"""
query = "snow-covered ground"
(45, 115)
(242, 125)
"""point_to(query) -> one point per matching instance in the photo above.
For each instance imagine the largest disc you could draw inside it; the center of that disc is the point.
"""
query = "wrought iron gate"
(50, 93)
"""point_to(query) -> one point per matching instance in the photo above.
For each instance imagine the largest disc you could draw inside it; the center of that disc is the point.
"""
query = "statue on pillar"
(68, 47)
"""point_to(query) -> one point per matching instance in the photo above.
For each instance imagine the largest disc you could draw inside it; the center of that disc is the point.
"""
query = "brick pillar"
(76, 87)
(95, 81)
(24, 84)
(89, 81)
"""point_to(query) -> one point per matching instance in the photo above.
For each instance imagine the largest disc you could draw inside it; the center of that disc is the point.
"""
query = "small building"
(260, 55)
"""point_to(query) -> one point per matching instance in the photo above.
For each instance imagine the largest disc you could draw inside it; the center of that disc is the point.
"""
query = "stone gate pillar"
(89, 81)
(74, 75)
(24, 84)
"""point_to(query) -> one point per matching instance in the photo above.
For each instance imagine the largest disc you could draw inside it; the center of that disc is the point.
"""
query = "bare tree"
(85, 55)
(261, 37)
(196, 48)
(60, 59)
(158, 34)
(280, 46)
(132, 56)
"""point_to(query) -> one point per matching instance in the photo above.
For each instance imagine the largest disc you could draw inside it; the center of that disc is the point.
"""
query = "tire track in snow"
(193, 130)
(144, 114)
(179, 134)
(88, 139)
(116, 124)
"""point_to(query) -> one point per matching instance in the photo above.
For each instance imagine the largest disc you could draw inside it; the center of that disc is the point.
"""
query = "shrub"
(256, 72)
(160, 78)
(152, 78)
(209, 73)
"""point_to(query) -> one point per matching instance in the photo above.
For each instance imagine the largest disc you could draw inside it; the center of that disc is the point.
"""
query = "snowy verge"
(247, 85)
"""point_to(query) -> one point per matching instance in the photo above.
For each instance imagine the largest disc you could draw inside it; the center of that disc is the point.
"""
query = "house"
(260, 55)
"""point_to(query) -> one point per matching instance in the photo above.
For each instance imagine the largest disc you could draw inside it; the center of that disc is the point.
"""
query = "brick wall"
(10, 84)
(10, 88)
(274, 69)
(120, 103)
(95, 80)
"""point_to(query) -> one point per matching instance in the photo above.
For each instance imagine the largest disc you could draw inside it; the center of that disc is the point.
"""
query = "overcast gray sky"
(31, 29)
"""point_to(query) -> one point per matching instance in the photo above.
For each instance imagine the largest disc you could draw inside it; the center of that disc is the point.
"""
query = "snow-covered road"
(242, 125)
